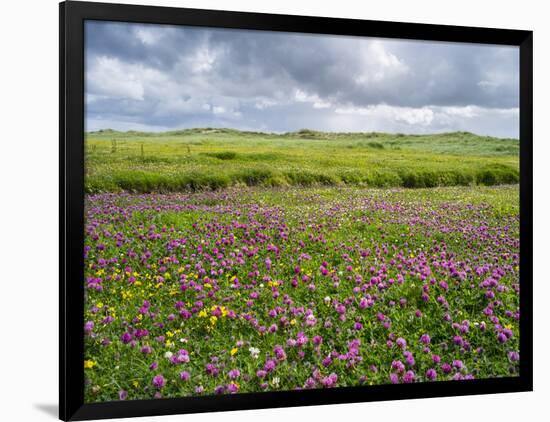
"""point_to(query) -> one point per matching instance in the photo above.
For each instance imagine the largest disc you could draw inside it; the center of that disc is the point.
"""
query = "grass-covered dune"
(199, 159)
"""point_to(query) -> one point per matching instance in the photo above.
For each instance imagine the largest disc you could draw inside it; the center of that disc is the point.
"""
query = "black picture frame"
(72, 16)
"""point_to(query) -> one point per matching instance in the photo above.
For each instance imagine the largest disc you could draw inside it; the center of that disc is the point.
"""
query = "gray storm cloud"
(156, 77)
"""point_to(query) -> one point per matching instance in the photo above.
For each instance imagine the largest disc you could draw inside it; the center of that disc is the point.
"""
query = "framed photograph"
(266, 210)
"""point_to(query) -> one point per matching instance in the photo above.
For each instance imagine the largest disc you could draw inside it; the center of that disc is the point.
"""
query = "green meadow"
(269, 262)
(206, 159)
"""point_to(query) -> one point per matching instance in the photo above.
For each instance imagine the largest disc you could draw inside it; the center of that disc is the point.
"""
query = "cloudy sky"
(156, 78)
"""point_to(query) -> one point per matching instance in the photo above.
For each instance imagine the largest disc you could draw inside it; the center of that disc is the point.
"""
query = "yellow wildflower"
(126, 295)
(89, 364)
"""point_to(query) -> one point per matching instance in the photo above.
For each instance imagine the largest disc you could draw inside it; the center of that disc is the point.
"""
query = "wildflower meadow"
(276, 211)
(252, 287)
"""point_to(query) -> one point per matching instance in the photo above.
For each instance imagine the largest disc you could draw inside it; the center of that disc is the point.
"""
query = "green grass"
(199, 159)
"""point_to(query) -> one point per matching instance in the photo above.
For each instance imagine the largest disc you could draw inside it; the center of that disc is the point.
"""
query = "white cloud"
(466, 112)
(422, 116)
(148, 35)
(203, 60)
(378, 64)
(416, 116)
(109, 76)
(301, 96)
(488, 84)
(184, 77)
(265, 103)
(321, 104)
(226, 112)
(430, 119)
(473, 111)
(178, 105)
(313, 99)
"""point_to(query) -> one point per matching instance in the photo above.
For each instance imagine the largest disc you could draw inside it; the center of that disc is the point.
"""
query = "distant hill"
(208, 158)
(302, 133)
(446, 143)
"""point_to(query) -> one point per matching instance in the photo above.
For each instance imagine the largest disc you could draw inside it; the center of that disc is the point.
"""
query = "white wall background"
(29, 210)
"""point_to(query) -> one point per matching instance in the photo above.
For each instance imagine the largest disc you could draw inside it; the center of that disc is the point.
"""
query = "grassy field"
(219, 261)
(198, 159)
(252, 289)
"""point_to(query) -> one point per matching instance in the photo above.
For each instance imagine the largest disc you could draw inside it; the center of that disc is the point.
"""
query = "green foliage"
(222, 155)
(210, 158)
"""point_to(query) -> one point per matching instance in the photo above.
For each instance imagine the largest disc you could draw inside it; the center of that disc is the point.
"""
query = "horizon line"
(302, 130)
